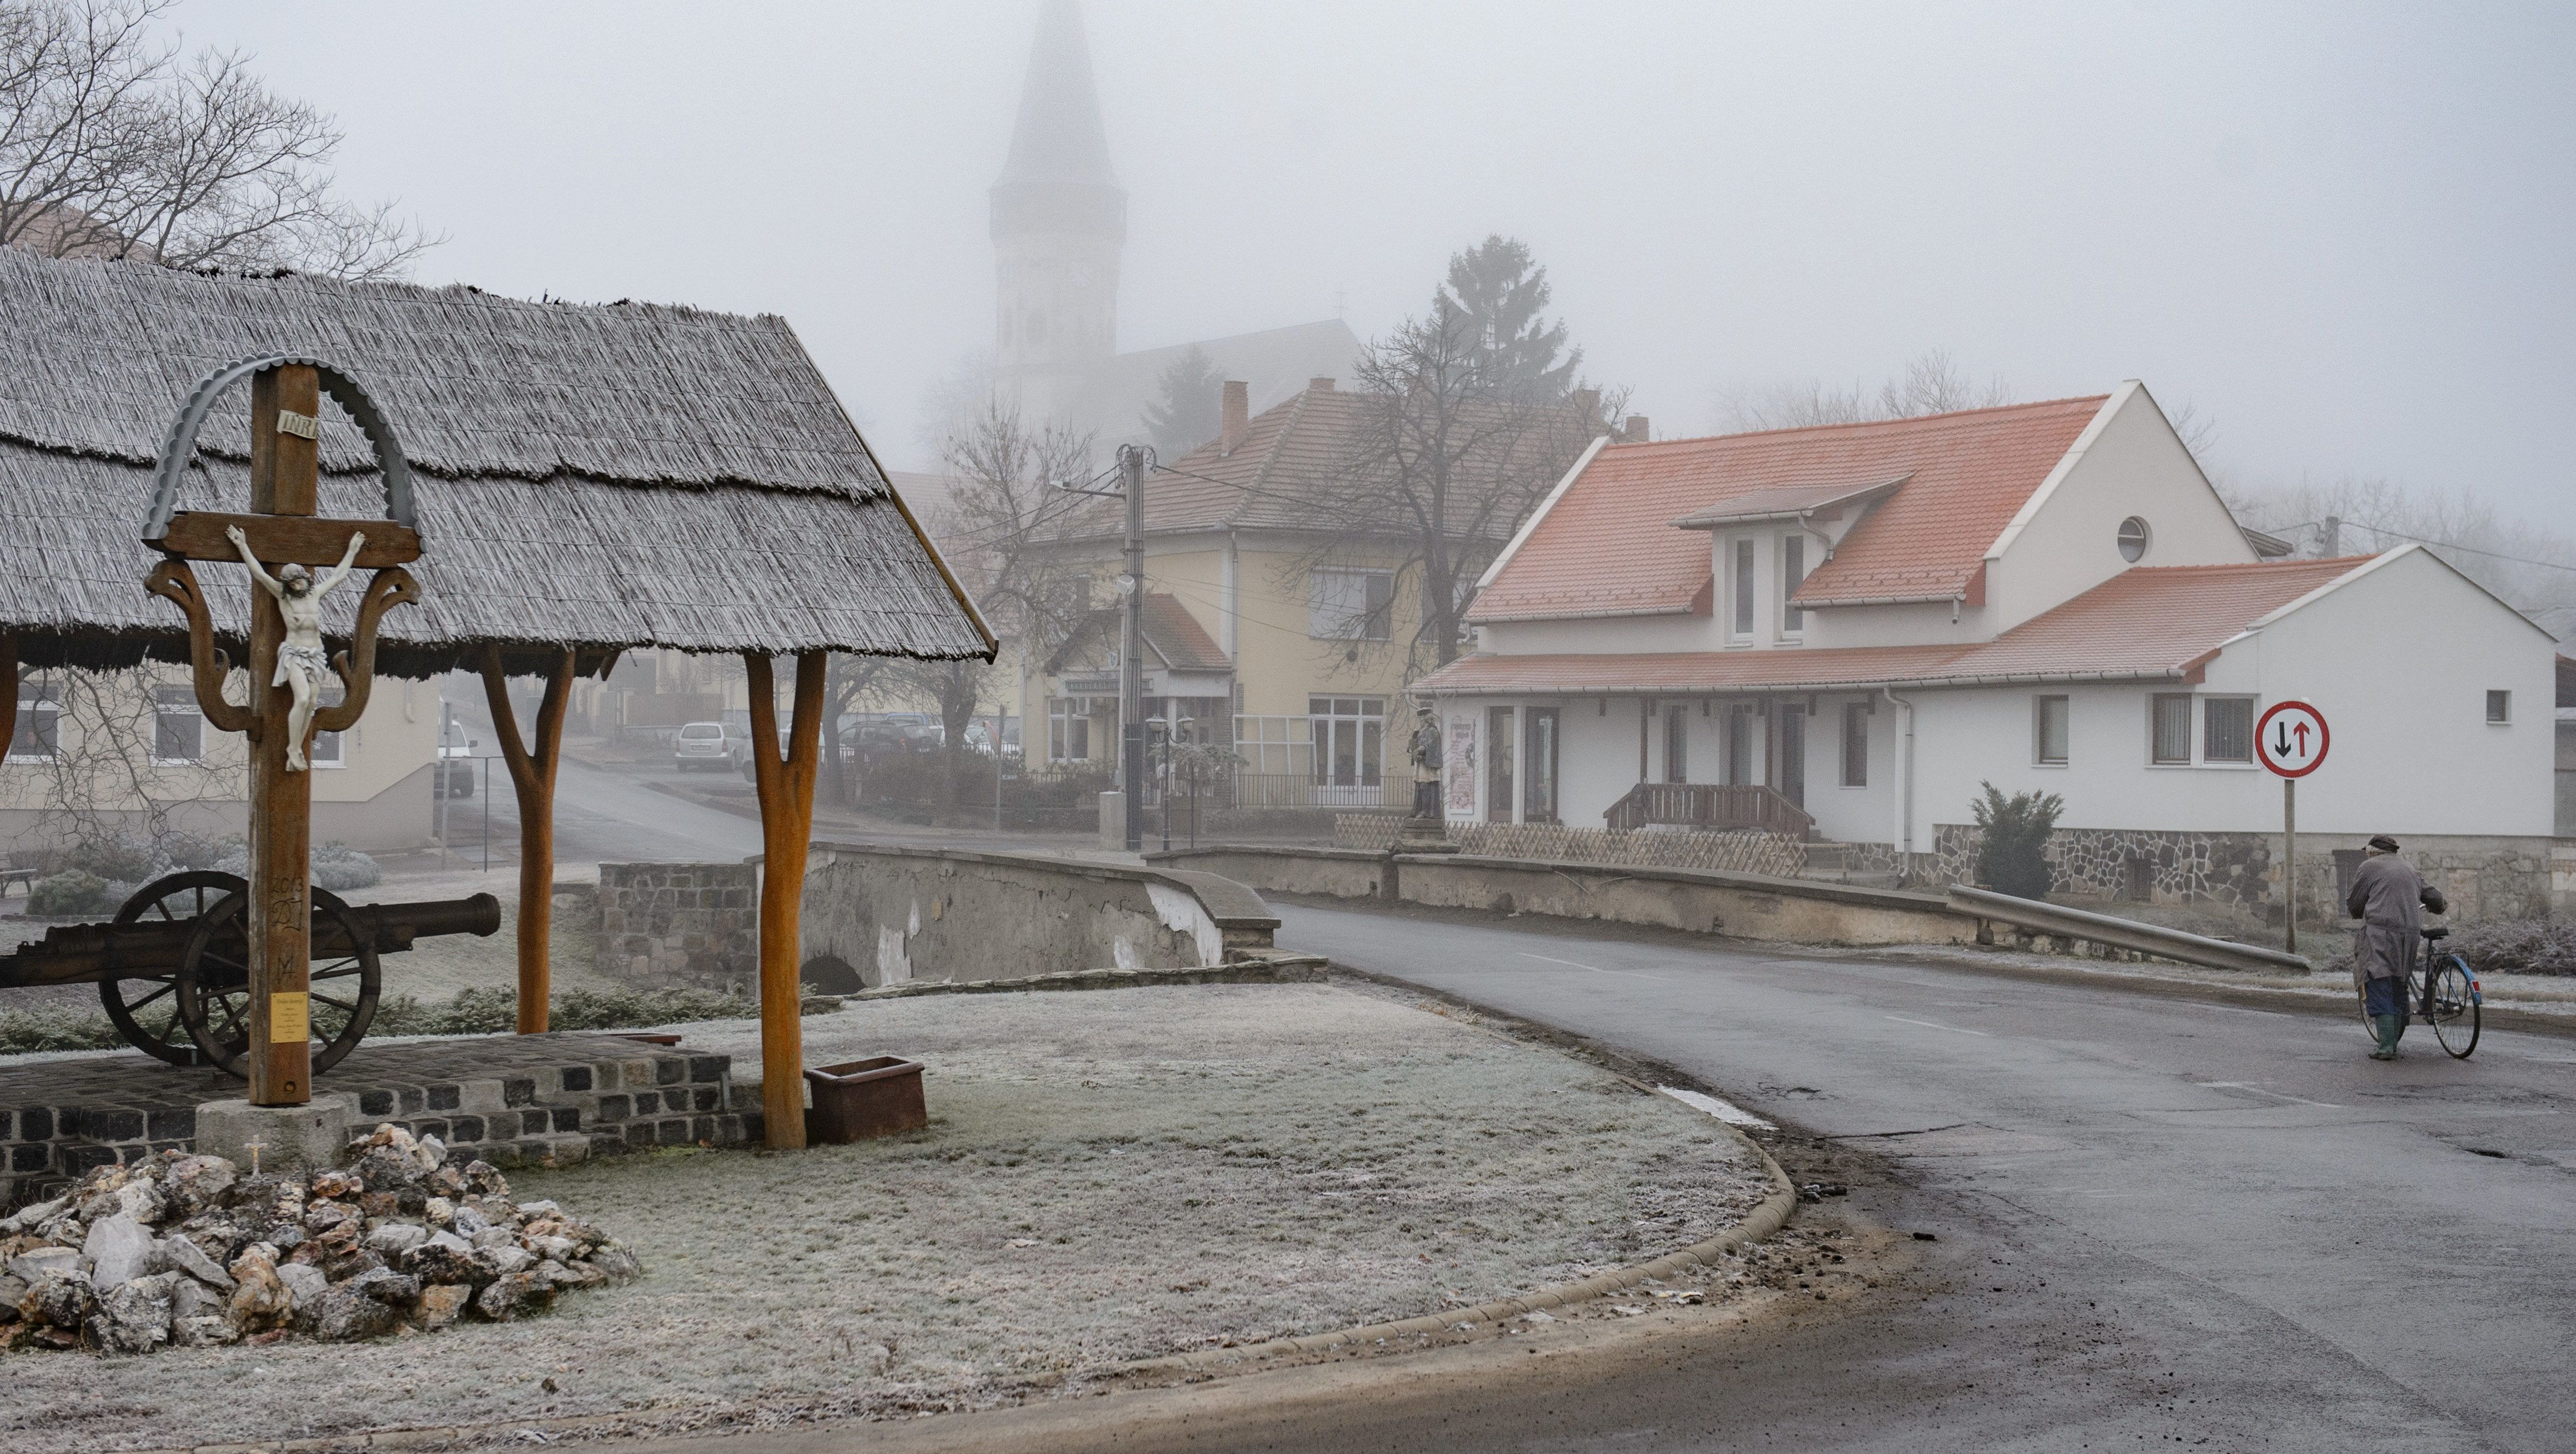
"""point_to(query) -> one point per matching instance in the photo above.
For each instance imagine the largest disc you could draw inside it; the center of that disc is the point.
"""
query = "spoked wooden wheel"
(144, 1007)
(2454, 1011)
(214, 983)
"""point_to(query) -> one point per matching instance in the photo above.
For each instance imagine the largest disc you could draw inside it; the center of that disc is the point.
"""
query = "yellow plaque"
(290, 1019)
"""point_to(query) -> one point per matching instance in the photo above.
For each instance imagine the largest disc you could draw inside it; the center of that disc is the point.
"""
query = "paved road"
(2160, 1219)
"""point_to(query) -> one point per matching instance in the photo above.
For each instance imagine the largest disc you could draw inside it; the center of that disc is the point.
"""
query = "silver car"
(702, 744)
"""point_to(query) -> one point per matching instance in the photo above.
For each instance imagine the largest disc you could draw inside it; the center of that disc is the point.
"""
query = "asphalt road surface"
(2161, 1220)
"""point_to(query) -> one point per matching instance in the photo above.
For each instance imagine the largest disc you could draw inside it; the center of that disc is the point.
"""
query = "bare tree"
(114, 143)
(1441, 465)
(108, 782)
(2532, 569)
(1933, 383)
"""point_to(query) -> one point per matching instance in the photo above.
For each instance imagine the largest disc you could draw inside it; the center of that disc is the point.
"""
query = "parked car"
(702, 744)
(456, 768)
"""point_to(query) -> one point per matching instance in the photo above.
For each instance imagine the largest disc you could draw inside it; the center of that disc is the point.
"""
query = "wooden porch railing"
(1713, 806)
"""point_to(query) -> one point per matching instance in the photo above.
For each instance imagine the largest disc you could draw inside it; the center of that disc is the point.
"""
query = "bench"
(19, 868)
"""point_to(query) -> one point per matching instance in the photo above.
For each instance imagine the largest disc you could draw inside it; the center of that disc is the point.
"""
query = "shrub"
(70, 893)
(188, 850)
(53, 1027)
(2519, 946)
(340, 868)
(115, 859)
(2013, 859)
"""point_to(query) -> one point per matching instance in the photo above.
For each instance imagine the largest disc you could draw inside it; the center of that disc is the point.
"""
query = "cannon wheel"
(145, 1007)
(214, 986)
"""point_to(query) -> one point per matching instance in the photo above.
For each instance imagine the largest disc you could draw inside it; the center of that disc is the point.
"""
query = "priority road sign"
(2291, 739)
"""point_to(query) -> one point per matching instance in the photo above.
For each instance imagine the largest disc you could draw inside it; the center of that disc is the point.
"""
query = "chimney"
(1319, 386)
(1634, 431)
(1238, 416)
(1587, 406)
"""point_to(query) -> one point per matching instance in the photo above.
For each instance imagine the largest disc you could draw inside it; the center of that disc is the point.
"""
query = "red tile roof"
(2149, 622)
(1177, 637)
(1968, 474)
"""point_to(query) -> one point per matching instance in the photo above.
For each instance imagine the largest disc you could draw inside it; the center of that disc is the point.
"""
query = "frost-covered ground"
(1109, 1175)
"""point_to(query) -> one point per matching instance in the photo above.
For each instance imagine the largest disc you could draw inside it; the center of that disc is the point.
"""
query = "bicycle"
(2441, 991)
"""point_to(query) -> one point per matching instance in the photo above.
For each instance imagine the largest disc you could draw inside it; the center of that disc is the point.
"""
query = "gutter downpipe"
(1905, 790)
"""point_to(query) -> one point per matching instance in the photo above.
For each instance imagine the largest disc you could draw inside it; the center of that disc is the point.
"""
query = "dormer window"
(1793, 573)
(2133, 540)
(1742, 624)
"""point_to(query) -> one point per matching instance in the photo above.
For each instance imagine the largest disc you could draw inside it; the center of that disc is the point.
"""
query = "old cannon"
(173, 967)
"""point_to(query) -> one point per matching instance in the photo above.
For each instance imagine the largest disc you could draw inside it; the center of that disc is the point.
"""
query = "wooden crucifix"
(282, 540)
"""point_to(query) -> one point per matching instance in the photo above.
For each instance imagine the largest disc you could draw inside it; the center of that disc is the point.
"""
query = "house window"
(178, 726)
(1676, 744)
(2169, 727)
(1743, 622)
(1350, 605)
(1739, 747)
(38, 735)
(1498, 764)
(2227, 729)
(1068, 729)
(1793, 571)
(2133, 538)
(330, 749)
(1855, 744)
(1350, 740)
(2049, 730)
(1539, 802)
(2499, 706)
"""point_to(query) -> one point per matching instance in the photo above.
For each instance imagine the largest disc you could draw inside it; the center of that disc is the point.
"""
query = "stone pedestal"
(1113, 821)
(1424, 835)
(298, 1138)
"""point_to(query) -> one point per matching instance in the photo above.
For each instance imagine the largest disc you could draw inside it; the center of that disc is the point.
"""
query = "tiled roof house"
(1868, 622)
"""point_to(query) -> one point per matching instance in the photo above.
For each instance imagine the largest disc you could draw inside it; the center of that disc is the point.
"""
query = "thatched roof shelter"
(597, 477)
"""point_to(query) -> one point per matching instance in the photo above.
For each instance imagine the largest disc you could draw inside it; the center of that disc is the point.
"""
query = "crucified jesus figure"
(300, 663)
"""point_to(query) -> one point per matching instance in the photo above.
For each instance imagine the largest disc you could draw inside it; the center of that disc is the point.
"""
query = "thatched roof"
(602, 477)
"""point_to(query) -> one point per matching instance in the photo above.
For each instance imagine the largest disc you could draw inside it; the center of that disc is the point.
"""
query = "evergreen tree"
(1191, 407)
(1498, 290)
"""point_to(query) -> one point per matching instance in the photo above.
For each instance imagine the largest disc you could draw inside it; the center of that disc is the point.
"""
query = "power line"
(2465, 549)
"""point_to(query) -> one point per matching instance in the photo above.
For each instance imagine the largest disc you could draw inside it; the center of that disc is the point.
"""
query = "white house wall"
(1923, 624)
(2134, 465)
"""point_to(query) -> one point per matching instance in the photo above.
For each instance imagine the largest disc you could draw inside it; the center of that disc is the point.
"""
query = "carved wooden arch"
(181, 446)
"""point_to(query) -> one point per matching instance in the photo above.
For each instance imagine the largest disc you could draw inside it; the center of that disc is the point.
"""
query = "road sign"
(2291, 739)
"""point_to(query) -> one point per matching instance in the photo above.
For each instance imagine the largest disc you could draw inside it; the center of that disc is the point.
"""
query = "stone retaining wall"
(2486, 877)
(694, 924)
(1748, 852)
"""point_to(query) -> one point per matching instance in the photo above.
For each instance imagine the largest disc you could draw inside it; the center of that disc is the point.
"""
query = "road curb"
(1764, 1220)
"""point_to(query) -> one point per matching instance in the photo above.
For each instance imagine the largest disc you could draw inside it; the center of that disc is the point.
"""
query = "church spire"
(1059, 222)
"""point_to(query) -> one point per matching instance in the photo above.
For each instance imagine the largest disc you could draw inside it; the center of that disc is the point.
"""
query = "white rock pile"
(187, 1249)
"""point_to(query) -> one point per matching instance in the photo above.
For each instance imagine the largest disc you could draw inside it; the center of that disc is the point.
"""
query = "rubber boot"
(2386, 1026)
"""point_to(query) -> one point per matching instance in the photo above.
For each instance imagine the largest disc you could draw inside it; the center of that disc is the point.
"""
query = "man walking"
(2386, 895)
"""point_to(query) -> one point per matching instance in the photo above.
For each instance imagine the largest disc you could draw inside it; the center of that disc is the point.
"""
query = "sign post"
(2290, 740)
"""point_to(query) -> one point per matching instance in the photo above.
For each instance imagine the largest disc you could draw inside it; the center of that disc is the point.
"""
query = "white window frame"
(1350, 604)
(1331, 721)
(2155, 701)
(1064, 716)
(178, 702)
(36, 699)
(2039, 730)
(2499, 707)
(1743, 606)
(2247, 761)
(1793, 622)
(1855, 765)
(330, 749)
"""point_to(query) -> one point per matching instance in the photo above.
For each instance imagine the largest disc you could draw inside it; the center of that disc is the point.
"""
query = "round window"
(2133, 538)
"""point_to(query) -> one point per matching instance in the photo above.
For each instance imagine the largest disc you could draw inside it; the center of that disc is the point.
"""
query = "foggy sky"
(2346, 231)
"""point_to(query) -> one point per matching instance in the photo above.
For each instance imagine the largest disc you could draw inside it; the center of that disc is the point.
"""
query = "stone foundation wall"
(693, 924)
(2485, 877)
(1771, 853)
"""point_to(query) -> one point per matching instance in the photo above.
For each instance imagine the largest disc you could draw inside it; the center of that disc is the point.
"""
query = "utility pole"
(1131, 651)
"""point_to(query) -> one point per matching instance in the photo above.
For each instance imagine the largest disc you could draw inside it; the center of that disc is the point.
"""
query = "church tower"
(1059, 222)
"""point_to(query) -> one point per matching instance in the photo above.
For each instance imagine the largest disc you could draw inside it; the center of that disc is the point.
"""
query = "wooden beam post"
(786, 826)
(284, 480)
(532, 777)
(8, 690)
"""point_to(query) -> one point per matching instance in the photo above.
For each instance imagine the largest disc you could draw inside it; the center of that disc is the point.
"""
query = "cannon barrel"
(394, 926)
(84, 953)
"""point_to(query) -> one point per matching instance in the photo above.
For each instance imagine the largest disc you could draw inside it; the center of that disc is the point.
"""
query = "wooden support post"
(283, 481)
(786, 826)
(8, 690)
(532, 777)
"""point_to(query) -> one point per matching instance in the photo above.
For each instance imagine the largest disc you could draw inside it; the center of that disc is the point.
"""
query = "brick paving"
(508, 1099)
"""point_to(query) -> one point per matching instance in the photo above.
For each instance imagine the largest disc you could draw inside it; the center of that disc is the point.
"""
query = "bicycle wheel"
(2454, 1007)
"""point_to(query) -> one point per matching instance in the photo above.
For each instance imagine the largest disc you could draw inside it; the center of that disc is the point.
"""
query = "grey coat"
(2387, 896)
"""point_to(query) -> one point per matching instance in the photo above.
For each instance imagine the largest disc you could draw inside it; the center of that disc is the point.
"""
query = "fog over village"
(1102, 723)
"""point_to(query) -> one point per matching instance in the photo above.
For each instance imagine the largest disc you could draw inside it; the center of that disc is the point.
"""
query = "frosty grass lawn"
(1108, 1175)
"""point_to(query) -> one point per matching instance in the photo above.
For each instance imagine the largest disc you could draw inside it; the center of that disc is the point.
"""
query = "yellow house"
(1272, 630)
